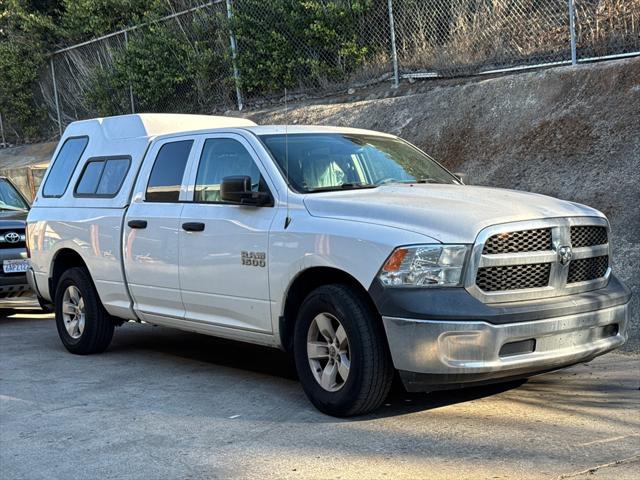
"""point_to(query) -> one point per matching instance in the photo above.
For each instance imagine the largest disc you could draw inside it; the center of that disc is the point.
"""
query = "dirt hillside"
(570, 132)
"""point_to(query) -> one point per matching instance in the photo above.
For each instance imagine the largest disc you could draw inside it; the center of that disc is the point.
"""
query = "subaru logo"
(12, 237)
(565, 255)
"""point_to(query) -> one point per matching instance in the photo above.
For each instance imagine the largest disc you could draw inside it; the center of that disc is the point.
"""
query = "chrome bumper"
(459, 352)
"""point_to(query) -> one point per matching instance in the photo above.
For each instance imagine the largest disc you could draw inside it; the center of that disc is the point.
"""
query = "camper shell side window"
(102, 177)
(63, 166)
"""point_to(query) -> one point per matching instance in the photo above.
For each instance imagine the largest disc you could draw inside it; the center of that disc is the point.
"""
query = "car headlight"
(425, 266)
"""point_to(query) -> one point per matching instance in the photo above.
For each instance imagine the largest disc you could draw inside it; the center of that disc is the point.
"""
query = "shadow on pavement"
(166, 348)
(275, 363)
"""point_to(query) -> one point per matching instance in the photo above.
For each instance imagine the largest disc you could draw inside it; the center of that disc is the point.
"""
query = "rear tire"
(83, 324)
(341, 353)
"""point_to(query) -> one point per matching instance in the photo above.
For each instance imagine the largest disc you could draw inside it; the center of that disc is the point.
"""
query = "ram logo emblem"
(565, 255)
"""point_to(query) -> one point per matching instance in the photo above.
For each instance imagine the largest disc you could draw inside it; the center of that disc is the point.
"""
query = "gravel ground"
(167, 404)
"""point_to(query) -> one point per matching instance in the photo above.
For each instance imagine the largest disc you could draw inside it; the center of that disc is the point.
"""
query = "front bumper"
(13, 286)
(450, 353)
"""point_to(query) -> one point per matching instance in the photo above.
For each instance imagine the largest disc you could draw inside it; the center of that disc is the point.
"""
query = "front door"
(224, 247)
(152, 232)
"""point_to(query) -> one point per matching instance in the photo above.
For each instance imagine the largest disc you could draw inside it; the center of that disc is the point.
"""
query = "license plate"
(15, 266)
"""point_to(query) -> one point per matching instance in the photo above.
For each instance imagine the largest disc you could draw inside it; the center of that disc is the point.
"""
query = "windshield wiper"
(420, 180)
(343, 186)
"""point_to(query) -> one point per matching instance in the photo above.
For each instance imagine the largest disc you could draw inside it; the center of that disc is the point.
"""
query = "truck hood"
(445, 213)
(13, 218)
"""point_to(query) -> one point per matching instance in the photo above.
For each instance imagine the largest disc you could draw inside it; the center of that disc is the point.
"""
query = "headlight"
(425, 266)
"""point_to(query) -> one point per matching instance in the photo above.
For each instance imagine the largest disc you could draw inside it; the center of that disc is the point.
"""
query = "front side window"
(332, 161)
(10, 199)
(103, 177)
(64, 166)
(223, 157)
(166, 176)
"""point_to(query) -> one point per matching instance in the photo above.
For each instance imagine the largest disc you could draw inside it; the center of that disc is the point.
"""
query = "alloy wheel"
(328, 352)
(73, 311)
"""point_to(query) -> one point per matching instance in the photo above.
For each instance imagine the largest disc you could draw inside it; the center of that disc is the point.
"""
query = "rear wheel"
(341, 353)
(83, 324)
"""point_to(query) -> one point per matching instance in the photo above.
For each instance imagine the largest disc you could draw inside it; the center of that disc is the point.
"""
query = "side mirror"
(463, 177)
(237, 189)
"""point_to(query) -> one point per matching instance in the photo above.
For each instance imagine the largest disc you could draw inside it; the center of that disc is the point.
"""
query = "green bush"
(166, 71)
(85, 19)
(291, 43)
(282, 44)
(23, 39)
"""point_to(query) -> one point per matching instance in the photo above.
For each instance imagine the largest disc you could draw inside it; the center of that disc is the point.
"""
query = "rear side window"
(168, 170)
(63, 166)
(103, 177)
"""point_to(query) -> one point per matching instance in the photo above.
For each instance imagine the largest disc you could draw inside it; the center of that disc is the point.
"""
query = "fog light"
(518, 348)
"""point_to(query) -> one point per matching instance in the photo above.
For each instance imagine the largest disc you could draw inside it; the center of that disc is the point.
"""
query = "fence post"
(572, 31)
(55, 95)
(4, 141)
(126, 45)
(394, 51)
(234, 54)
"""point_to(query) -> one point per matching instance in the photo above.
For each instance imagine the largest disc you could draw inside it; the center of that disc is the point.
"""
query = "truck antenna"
(287, 219)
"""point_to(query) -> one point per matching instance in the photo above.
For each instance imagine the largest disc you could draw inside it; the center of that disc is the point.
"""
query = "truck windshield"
(333, 161)
(10, 199)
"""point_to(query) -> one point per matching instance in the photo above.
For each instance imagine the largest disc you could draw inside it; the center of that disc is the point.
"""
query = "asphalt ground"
(164, 404)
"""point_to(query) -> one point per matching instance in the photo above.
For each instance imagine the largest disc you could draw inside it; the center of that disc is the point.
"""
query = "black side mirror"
(237, 189)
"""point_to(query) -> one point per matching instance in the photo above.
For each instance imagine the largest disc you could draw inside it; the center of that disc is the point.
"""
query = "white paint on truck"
(172, 251)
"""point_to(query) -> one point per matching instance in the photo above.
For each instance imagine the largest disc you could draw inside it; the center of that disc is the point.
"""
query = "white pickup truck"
(352, 249)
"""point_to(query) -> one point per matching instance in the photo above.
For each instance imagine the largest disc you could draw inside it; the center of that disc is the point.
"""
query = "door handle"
(193, 226)
(137, 223)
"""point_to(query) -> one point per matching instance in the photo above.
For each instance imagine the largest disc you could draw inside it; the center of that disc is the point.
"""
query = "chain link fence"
(462, 37)
(181, 63)
(236, 54)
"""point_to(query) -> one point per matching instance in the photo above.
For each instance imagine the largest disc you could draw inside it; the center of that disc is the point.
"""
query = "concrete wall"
(25, 165)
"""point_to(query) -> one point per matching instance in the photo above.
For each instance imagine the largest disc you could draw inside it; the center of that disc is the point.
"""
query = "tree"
(24, 36)
(85, 19)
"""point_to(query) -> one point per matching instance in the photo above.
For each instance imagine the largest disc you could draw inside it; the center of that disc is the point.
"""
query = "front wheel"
(340, 351)
(83, 324)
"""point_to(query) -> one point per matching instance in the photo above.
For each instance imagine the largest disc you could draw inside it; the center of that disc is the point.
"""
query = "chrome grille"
(587, 269)
(588, 236)
(539, 259)
(513, 277)
(521, 241)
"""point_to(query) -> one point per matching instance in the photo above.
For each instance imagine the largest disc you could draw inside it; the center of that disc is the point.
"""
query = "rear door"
(223, 266)
(152, 231)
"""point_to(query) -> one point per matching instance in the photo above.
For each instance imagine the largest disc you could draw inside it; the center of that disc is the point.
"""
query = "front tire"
(84, 326)
(341, 353)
